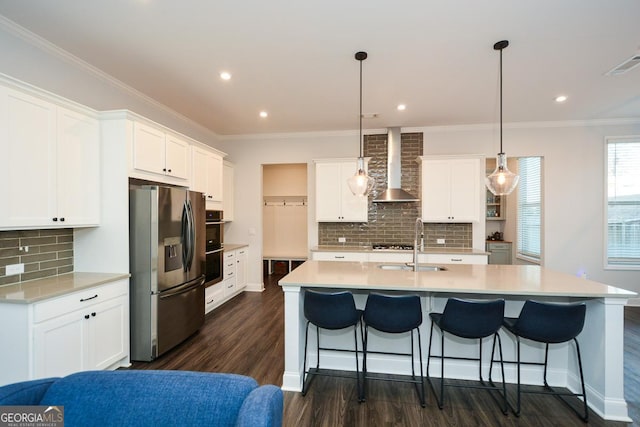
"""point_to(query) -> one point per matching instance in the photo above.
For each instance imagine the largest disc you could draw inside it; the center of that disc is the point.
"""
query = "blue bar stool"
(394, 314)
(549, 323)
(330, 310)
(472, 320)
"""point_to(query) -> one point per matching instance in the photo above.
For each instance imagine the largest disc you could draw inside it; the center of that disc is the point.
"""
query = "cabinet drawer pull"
(62, 219)
(86, 316)
(93, 314)
(338, 257)
(87, 299)
(456, 259)
(55, 219)
(210, 301)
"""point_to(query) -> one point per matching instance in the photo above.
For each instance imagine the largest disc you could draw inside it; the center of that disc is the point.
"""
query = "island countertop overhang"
(507, 280)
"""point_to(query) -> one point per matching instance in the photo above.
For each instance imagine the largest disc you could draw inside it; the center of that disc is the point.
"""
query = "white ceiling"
(295, 58)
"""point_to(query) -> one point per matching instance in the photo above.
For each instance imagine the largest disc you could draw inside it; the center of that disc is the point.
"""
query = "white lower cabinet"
(84, 330)
(423, 258)
(234, 279)
(241, 268)
(340, 256)
(452, 259)
(87, 330)
(229, 273)
(213, 296)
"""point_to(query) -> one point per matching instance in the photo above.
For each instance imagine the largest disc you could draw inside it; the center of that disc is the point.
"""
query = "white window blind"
(623, 202)
(529, 208)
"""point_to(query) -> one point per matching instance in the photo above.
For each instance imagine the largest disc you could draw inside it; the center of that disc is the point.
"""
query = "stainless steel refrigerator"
(167, 262)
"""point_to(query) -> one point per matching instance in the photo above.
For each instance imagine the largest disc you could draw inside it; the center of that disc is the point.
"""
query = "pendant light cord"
(501, 152)
(361, 144)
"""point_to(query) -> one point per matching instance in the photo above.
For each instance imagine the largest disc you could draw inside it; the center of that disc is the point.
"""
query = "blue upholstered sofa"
(153, 398)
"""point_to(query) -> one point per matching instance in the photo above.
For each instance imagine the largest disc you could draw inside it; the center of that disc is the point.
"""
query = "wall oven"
(214, 250)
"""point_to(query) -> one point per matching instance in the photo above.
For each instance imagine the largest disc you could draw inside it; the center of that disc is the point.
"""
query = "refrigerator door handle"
(189, 286)
(192, 234)
(186, 236)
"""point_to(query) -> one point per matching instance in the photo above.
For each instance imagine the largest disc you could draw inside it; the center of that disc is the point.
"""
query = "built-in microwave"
(214, 247)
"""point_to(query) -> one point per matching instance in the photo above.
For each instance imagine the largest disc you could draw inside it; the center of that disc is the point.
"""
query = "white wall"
(45, 66)
(573, 182)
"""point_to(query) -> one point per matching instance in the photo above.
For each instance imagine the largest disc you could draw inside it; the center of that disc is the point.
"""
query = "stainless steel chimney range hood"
(393, 193)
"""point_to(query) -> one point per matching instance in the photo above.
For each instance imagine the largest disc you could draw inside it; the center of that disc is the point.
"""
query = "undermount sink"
(407, 267)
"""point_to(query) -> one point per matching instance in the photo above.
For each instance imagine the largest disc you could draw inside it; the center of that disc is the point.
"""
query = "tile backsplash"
(394, 222)
(44, 253)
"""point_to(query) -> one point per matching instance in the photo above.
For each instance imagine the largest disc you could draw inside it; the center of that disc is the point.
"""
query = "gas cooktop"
(396, 246)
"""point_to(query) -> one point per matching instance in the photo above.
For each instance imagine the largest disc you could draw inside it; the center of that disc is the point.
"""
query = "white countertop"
(233, 246)
(525, 280)
(368, 249)
(50, 287)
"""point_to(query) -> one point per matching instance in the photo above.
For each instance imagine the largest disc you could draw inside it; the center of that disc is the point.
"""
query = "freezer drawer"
(166, 319)
(180, 314)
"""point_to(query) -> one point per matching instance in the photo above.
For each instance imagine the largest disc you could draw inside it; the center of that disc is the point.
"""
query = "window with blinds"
(623, 202)
(529, 208)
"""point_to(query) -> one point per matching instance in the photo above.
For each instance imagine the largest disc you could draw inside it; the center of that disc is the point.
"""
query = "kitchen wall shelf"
(496, 207)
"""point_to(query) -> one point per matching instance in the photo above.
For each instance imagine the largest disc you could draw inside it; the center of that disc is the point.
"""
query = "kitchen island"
(601, 340)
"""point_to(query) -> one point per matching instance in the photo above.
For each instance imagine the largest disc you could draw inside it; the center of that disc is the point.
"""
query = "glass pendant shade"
(361, 184)
(502, 181)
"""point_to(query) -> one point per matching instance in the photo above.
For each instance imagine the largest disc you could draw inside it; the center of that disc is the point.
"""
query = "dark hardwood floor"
(246, 336)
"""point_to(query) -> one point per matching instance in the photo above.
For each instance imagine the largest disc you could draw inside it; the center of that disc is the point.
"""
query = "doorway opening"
(284, 217)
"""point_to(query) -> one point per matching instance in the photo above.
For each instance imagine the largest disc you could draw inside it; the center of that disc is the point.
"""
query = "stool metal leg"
(355, 340)
(364, 363)
(422, 395)
(440, 397)
(305, 374)
(584, 391)
(505, 405)
(420, 391)
(585, 415)
(441, 403)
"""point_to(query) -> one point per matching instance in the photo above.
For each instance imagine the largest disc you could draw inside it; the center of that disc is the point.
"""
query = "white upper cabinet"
(451, 189)
(177, 157)
(78, 168)
(334, 200)
(50, 165)
(160, 153)
(207, 175)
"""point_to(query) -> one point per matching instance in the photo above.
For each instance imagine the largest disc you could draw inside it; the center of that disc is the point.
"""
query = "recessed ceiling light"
(561, 98)
(264, 114)
(402, 107)
(225, 75)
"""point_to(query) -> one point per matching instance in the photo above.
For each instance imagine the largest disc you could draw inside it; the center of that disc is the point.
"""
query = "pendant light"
(361, 184)
(502, 181)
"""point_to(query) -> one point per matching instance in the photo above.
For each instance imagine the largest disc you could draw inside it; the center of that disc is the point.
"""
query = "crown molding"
(56, 51)
(527, 125)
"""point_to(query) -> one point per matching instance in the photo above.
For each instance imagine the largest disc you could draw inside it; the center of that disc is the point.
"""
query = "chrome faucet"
(419, 227)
